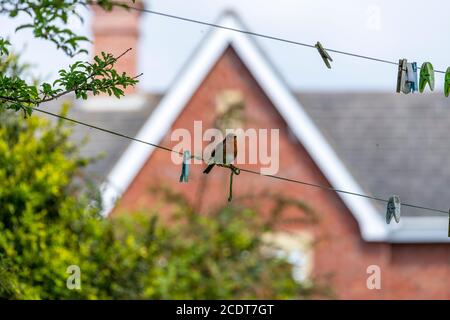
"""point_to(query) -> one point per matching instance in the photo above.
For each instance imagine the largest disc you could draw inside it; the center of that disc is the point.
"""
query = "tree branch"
(81, 87)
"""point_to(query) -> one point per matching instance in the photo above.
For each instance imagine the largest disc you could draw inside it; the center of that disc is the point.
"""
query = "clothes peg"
(401, 75)
(185, 167)
(324, 54)
(393, 209)
(407, 76)
(449, 223)
(426, 76)
(447, 82)
(412, 76)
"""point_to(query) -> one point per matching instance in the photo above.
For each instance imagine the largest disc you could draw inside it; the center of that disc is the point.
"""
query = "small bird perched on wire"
(224, 153)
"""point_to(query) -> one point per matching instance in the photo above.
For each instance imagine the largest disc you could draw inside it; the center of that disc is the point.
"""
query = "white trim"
(371, 223)
(421, 230)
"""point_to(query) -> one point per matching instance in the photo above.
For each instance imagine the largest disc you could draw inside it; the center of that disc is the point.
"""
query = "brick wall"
(341, 257)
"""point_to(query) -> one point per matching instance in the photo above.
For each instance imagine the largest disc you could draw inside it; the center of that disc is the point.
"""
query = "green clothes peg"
(324, 54)
(447, 82)
(426, 76)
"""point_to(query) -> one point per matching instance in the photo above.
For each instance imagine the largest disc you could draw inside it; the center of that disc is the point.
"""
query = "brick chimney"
(114, 32)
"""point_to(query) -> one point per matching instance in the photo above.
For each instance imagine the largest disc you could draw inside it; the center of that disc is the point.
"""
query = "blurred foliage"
(48, 223)
(220, 255)
(50, 220)
(48, 21)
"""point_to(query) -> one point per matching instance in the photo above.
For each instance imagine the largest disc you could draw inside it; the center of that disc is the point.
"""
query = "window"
(296, 248)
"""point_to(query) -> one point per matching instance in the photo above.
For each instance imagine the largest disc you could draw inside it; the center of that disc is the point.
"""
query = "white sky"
(413, 29)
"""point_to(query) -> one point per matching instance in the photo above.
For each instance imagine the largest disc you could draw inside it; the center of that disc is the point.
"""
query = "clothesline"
(241, 169)
(265, 36)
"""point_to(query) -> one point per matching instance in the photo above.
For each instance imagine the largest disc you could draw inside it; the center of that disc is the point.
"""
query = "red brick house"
(351, 235)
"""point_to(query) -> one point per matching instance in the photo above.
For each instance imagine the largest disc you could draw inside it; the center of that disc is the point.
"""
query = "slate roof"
(391, 144)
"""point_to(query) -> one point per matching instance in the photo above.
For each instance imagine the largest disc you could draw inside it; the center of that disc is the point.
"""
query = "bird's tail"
(208, 168)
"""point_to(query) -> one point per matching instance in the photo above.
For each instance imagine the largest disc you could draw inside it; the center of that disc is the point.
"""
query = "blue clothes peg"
(412, 77)
(407, 77)
(185, 167)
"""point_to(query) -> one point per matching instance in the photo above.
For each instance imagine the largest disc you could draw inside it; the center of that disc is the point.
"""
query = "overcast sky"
(413, 29)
